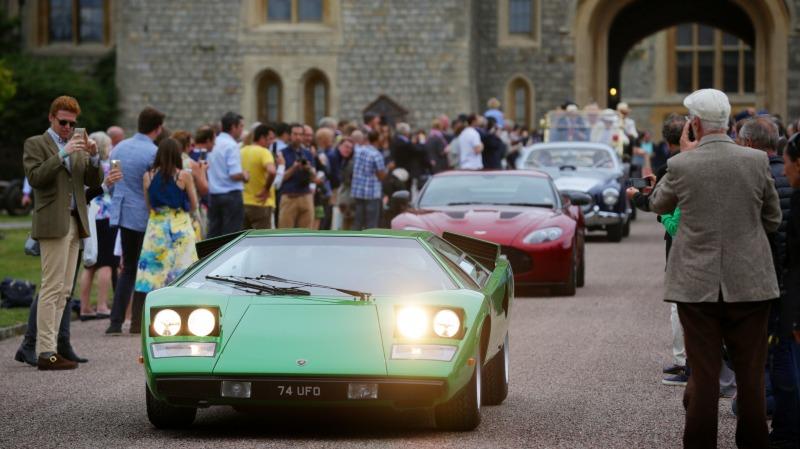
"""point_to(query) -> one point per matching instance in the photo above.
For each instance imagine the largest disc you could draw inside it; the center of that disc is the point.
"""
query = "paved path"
(585, 372)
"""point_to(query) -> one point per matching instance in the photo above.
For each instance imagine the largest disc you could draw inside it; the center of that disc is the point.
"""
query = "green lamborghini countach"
(379, 318)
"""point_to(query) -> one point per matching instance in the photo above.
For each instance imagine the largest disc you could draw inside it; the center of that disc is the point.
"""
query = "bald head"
(760, 133)
(116, 134)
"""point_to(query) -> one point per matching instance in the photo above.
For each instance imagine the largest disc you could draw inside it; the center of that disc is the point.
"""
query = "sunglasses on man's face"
(67, 122)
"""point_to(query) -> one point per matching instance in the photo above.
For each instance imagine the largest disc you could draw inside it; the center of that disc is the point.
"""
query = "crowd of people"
(728, 193)
(727, 196)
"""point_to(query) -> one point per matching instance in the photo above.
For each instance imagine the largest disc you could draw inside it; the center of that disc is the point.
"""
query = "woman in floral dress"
(169, 240)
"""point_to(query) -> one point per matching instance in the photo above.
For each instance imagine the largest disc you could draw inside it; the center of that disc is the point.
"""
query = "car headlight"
(167, 322)
(412, 322)
(201, 322)
(446, 323)
(610, 196)
(543, 235)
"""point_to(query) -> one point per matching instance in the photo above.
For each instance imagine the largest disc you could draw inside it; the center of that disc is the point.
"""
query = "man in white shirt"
(470, 146)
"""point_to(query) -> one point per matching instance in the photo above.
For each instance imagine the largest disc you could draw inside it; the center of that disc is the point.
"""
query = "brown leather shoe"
(55, 362)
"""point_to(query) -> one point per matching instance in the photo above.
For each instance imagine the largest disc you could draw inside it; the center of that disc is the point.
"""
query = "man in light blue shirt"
(226, 179)
(129, 212)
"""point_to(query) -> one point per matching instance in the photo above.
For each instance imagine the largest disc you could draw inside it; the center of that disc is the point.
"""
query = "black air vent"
(508, 215)
(456, 215)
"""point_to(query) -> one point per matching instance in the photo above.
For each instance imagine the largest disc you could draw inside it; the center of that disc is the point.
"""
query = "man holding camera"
(58, 164)
(720, 270)
(297, 202)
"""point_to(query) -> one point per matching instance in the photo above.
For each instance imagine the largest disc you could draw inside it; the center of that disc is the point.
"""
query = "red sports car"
(541, 231)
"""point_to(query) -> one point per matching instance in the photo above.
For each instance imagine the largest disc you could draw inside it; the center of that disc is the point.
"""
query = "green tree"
(36, 82)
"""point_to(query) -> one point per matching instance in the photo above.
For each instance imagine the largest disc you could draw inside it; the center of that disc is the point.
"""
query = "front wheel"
(463, 411)
(495, 379)
(570, 287)
(582, 270)
(626, 228)
(165, 416)
(614, 232)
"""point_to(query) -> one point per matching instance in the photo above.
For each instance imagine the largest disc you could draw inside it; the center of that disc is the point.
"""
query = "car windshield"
(488, 189)
(574, 157)
(380, 266)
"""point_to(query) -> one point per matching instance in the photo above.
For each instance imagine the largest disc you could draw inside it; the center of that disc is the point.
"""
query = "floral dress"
(169, 240)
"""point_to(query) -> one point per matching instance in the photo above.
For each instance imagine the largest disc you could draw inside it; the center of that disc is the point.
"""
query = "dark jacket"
(412, 157)
(791, 299)
(778, 239)
(494, 149)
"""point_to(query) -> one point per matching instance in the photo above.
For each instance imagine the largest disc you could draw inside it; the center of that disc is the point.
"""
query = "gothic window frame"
(511, 107)
(44, 24)
(266, 79)
(311, 79)
(507, 38)
(717, 48)
(294, 17)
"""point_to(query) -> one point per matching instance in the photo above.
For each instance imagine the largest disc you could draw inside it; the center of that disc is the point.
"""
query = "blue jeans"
(784, 372)
(368, 214)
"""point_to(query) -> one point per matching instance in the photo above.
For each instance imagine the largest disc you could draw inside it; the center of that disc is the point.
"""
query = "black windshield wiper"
(363, 296)
(254, 285)
(549, 206)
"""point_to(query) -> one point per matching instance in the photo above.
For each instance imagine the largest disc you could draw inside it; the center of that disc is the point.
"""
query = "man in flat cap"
(720, 270)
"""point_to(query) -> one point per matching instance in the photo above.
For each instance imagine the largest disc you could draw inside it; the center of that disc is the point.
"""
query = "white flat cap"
(708, 104)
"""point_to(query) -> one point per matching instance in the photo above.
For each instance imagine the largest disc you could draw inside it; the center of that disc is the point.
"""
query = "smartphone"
(115, 164)
(638, 183)
(691, 133)
(81, 132)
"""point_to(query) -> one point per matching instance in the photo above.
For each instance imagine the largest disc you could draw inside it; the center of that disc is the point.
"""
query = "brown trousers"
(296, 211)
(257, 217)
(743, 329)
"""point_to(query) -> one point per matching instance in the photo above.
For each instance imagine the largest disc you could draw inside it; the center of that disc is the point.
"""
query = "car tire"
(626, 228)
(581, 270)
(614, 232)
(463, 411)
(570, 287)
(495, 377)
(165, 416)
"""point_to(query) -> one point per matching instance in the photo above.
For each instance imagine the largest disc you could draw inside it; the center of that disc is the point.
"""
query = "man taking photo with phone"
(720, 270)
(58, 164)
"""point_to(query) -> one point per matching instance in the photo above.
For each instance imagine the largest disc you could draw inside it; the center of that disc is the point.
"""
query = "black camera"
(303, 160)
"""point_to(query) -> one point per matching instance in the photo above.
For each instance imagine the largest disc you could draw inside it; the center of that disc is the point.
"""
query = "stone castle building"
(299, 60)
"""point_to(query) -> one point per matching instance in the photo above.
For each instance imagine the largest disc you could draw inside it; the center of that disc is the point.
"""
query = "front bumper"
(543, 265)
(600, 218)
(201, 391)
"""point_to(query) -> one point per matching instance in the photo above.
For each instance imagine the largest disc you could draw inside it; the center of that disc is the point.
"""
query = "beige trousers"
(257, 217)
(296, 211)
(59, 262)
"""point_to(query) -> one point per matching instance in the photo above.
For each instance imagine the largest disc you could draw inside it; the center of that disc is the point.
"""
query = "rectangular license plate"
(307, 392)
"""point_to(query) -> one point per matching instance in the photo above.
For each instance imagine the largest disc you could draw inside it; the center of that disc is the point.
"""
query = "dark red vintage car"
(541, 230)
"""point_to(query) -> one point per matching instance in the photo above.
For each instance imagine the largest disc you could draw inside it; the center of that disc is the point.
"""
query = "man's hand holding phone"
(688, 141)
(76, 142)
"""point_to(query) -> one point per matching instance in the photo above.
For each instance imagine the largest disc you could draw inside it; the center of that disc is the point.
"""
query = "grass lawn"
(15, 264)
(5, 218)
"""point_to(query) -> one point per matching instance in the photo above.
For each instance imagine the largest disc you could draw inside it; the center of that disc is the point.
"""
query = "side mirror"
(577, 198)
(399, 201)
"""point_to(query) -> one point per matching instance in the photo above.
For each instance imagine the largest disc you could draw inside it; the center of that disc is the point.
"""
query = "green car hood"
(312, 338)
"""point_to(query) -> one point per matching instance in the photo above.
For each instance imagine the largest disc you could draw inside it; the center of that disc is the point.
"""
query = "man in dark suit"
(720, 270)
(58, 164)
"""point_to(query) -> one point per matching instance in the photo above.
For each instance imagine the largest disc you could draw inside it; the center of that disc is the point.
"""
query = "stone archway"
(769, 23)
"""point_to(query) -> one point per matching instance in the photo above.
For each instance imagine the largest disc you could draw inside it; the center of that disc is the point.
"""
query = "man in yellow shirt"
(259, 194)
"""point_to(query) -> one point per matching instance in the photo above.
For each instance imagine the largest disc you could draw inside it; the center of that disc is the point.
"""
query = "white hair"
(403, 128)
(103, 143)
(714, 125)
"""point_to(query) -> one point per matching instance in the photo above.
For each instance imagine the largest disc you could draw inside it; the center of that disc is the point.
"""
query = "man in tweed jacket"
(720, 270)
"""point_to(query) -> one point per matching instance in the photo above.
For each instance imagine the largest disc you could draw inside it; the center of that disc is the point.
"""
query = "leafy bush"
(39, 80)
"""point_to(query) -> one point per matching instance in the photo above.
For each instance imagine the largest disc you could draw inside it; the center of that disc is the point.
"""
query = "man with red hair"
(58, 164)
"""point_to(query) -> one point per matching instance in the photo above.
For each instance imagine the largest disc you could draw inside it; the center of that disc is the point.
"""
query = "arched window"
(270, 94)
(519, 100)
(316, 97)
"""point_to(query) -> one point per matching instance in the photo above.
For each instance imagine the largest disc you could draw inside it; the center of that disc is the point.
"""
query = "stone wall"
(181, 57)
(549, 67)
(793, 100)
